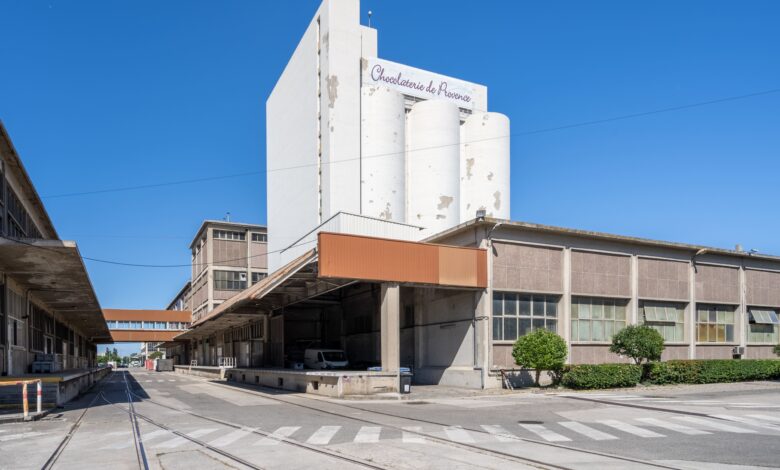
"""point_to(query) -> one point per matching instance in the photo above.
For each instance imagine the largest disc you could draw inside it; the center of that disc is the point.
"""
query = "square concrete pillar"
(390, 332)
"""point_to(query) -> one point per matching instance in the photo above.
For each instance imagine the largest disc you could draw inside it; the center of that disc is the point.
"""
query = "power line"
(142, 265)
(390, 154)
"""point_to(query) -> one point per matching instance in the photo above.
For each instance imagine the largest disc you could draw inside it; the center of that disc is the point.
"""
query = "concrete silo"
(433, 165)
(383, 121)
(484, 166)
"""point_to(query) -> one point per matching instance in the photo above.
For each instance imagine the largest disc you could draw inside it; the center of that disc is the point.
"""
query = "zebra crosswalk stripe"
(368, 434)
(545, 433)
(232, 437)
(458, 434)
(323, 435)
(748, 421)
(277, 436)
(708, 423)
(588, 431)
(630, 428)
(178, 440)
(501, 434)
(410, 437)
(673, 426)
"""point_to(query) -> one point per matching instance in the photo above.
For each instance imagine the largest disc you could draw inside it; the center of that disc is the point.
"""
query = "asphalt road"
(182, 422)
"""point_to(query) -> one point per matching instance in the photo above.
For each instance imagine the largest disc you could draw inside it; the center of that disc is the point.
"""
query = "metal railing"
(25, 403)
(227, 362)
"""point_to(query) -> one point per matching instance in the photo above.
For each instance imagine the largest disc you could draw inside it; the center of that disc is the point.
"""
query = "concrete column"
(209, 267)
(634, 290)
(390, 327)
(419, 344)
(692, 316)
(742, 315)
(564, 315)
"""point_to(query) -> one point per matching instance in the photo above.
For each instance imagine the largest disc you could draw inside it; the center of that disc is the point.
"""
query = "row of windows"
(147, 325)
(234, 280)
(233, 235)
(597, 319)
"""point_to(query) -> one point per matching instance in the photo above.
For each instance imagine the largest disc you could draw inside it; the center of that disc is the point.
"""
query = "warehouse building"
(397, 249)
(50, 318)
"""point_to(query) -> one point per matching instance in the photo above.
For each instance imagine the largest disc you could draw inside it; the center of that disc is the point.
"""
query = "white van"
(325, 359)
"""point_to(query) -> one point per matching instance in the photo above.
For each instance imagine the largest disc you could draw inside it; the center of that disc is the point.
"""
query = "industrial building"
(363, 135)
(395, 245)
(50, 318)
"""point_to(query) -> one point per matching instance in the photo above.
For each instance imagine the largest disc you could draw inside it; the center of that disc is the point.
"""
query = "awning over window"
(763, 316)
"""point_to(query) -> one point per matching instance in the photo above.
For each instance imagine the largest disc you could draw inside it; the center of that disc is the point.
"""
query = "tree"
(155, 355)
(639, 342)
(540, 350)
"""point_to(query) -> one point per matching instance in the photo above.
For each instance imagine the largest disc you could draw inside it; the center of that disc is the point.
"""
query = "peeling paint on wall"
(444, 202)
(333, 90)
(490, 176)
(386, 214)
(469, 166)
(497, 202)
(440, 217)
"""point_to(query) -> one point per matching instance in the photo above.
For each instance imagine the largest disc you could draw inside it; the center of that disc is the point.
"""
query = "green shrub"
(602, 376)
(639, 342)
(540, 350)
(712, 371)
(777, 350)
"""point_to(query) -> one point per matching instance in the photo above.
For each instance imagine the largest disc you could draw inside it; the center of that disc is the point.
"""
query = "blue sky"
(99, 95)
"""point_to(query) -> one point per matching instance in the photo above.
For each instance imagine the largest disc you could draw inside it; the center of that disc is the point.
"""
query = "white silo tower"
(484, 166)
(382, 169)
(433, 165)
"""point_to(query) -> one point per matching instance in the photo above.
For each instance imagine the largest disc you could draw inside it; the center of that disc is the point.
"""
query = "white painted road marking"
(277, 436)
(501, 434)
(766, 418)
(178, 440)
(673, 426)
(232, 437)
(144, 438)
(323, 435)
(588, 431)
(749, 421)
(630, 428)
(458, 434)
(715, 425)
(545, 433)
(22, 435)
(368, 434)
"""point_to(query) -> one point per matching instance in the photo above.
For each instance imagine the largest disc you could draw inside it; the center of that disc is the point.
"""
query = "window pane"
(525, 305)
(620, 312)
(597, 310)
(510, 328)
(575, 331)
(510, 304)
(598, 330)
(538, 305)
(729, 333)
(713, 316)
(497, 329)
(552, 306)
(498, 305)
(701, 333)
(609, 311)
(721, 316)
(538, 323)
(679, 331)
(609, 329)
(552, 325)
(729, 317)
(703, 315)
(575, 307)
(525, 326)
(721, 333)
(584, 330)
(584, 311)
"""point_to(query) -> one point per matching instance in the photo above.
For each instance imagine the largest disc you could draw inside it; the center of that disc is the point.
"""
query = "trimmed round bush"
(540, 350)
(777, 350)
(639, 342)
(587, 376)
